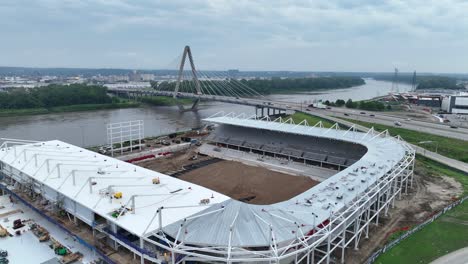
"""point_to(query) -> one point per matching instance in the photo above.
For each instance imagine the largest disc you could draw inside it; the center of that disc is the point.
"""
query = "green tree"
(340, 102)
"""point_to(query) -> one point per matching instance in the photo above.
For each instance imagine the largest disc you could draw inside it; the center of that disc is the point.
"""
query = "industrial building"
(162, 219)
(455, 104)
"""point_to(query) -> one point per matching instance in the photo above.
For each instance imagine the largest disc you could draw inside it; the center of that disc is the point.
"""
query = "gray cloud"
(360, 35)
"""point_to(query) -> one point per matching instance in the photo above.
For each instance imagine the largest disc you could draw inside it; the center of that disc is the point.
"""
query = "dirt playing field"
(429, 194)
(252, 184)
(174, 162)
(256, 184)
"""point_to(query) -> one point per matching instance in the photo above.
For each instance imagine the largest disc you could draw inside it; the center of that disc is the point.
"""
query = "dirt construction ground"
(174, 162)
(429, 194)
(234, 179)
(241, 181)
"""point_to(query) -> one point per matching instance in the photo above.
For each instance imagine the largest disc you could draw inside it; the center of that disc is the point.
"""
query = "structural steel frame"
(118, 133)
(343, 229)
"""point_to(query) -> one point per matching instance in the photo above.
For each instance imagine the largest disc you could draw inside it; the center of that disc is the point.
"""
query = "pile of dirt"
(256, 185)
(428, 195)
(174, 162)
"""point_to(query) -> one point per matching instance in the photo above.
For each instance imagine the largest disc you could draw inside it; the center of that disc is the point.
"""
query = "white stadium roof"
(62, 159)
(224, 221)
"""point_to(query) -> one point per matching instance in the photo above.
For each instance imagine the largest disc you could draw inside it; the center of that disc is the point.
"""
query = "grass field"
(312, 120)
(446, 234)
(68, 108)
(449, 147)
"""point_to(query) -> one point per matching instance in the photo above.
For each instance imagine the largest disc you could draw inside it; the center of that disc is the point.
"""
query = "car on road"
(452, 126)
(346, 114)
(307, 109)
(372, 115)
(328, 107)
(363, 113)
(397, 123)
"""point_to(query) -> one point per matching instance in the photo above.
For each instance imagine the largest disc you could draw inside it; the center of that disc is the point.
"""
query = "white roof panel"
(53, 164)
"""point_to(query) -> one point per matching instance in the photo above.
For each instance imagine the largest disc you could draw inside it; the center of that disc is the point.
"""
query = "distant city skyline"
(340, 35)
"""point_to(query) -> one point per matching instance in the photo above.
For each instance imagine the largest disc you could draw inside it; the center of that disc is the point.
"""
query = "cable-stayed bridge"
(207, 86)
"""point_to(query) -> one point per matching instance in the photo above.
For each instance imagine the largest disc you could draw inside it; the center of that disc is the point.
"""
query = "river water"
(89, 128)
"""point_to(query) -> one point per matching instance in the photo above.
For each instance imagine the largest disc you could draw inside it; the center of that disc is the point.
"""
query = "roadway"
(457, 257)
(416, 125)
(462, 166)
(439, 129)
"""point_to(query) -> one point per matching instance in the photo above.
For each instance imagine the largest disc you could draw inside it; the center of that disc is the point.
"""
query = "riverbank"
(68, 108)
(165, 101)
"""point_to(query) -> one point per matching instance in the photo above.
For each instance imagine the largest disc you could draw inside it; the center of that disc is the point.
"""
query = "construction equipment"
(205, 201)
(70, 258)
(17, 224)
(41, 233)
(61, 251)
(3, 231)
(44, 238)
(118, 195)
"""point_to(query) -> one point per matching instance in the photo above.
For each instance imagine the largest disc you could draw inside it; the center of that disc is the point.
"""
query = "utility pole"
(395, 81)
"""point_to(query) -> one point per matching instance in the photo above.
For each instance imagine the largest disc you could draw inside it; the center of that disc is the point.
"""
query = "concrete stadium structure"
(176, 221)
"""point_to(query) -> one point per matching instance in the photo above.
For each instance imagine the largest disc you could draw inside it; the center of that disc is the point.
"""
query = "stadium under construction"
(162, 219)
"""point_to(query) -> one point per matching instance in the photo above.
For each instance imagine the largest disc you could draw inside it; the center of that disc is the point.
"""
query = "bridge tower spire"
(187, 52)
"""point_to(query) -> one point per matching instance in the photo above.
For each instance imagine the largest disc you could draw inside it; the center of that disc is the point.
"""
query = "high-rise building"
(134, 76)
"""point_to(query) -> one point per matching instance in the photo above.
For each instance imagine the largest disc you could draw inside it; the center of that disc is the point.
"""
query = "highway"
(439, 129)
(421, 126)
(462, 166)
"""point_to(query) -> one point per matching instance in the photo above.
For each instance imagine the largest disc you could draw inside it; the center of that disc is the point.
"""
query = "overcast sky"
(329, 35)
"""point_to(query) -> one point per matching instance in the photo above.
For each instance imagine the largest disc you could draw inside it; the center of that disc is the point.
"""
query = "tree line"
(364, 105)
(54, 95)
(424, 81)
(264, 86)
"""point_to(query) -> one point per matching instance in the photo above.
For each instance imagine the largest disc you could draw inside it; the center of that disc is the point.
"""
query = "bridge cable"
(228, 84)
(228, 89)
(217, 90)
(243, 91)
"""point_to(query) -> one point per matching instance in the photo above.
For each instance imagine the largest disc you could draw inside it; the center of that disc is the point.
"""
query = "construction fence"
(415, 229)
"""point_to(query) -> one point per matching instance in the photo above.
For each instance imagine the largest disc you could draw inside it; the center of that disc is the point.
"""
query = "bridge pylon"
(188, 53)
